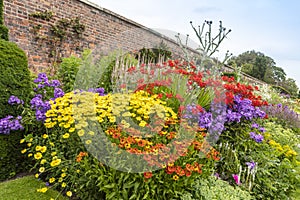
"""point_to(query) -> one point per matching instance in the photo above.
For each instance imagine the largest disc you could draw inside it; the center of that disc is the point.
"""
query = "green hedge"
(14, 77)
(14, 80)
(12, 161)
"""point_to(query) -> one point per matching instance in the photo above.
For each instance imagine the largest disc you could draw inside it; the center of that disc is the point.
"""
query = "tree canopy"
(264, 68)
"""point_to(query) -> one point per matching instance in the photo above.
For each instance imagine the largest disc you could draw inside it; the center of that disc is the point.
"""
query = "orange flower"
(148, 174)
(188, 173)
(189, 167)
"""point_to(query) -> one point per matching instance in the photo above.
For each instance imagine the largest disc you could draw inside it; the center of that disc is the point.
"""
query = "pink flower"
(236, 179)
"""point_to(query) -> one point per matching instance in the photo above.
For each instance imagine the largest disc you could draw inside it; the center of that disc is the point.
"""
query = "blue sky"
(269, 26)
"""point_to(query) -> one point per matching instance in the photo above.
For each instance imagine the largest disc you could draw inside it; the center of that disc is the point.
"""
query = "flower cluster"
(13, 100)
(284, 114)
(9, 124)
(243, 108)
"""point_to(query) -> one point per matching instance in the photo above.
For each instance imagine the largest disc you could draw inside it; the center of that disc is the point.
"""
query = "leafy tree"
(291, 86)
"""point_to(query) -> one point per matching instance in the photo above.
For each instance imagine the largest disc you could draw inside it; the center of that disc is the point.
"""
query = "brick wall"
(105, 31)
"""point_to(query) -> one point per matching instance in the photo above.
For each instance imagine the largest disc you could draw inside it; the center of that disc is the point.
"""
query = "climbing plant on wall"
(57, 33)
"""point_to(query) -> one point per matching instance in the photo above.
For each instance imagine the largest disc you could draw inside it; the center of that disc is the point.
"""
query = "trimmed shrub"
(14, 78)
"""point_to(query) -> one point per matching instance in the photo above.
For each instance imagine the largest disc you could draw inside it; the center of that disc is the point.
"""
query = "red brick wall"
(105, 30)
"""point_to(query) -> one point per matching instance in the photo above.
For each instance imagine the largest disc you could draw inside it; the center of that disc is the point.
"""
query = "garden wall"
(31, 27)
(104, 30)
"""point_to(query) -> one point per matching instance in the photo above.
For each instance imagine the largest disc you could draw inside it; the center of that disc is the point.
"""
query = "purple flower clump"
(243, 108)
(284, 114)
(257, 137)
(40, 106)
(9, 124)
(100, 91)
(15, 100)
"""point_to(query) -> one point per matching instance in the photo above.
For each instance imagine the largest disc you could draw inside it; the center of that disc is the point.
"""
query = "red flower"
(148, 175)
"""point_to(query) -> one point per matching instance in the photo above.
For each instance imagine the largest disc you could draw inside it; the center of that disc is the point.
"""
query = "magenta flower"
(236, 179)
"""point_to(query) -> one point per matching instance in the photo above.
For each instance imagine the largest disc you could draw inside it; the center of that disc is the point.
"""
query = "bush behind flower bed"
(14, 80)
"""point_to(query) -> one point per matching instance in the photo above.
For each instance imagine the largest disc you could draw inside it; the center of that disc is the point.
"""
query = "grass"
(25, 189)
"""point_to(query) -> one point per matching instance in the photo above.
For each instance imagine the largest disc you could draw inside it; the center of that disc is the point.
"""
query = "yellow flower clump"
(139, 106)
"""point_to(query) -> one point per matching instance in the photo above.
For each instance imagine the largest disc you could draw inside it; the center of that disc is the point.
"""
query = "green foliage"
(45, 15)
(1, 11)
(275, 176)
(3, 28)
(14, 78)
(68, 69)
(3, 32)
(114, 64)
(12, 161)
(212, 188)
(160, 53)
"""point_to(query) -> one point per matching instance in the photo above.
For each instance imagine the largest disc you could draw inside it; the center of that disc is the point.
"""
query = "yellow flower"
(43, 149)
(175, 177)
(66, 135)
(29, 144)
(36, 175)
(71, 130)
(91, 132)
(43, 190)
(55, 162)
(45, 136)
(78, 171)
(63, 175)
(51, 144)
(63, 184)
(80, 133)
(42, 169)
(53, 153)
(22, 141)
(60, 179)
(51, 180)
(43, 161)
(142, 123)
(29, 155)
(38, 155)
(69, 193)
(88, 142)
(38, 148)
(24, 151)
(30, 140)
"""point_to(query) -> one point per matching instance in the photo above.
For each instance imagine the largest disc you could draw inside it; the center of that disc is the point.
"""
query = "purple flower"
(55, 83)
(251, 165)
(254, 125)
(257, 137)
(9, 124)
(205, 119)
(58, 92)
(236, 179)
(15, 100)
(262, 129)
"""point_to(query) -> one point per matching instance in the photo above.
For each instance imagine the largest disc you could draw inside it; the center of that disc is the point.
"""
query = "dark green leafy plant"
(3, 28)
(14, 80)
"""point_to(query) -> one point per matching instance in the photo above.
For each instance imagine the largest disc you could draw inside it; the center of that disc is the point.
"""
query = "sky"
(271, 27)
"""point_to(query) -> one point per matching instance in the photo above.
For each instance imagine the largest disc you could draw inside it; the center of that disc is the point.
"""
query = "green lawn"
(25, 189)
